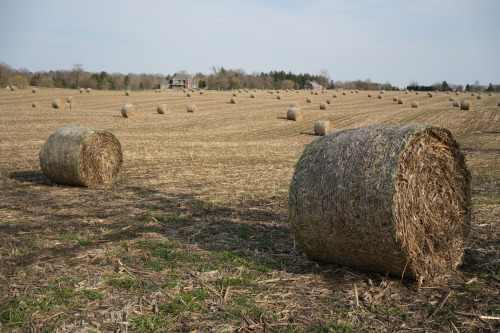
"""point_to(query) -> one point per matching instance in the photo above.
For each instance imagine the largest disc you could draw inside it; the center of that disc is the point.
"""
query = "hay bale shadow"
(30, 176)
(308, 133)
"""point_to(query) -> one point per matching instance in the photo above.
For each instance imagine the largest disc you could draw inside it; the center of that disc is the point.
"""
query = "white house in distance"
(313, 85)
(179, 82)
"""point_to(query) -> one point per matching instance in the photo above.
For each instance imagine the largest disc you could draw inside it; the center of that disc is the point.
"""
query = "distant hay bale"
(456, 104)
(328, 101)
(70, 99)
(498, 103)
(312, 92)
(202, 92)
(382, 92)
(343, 93)
(188, 94)
(82, 90)
(297, 91)
(323, 106)
(335, 95)
(58, 104)
(82, 156)
(472, 94)
(13, 88)
(89, 90)
(184, 90)
(294, 114)
(255, 90)
(34, 90)
(323, 127)
(235, 94)
(286, 90)
(234, 100)
(380, 96)
(356, 91)
(352, 92)
(129, 111)
(128, 93)
(414, 104)
(252, 95)
(447, 93)
(395, 99)
(400, 101)
(277, 91)
(457, 93)
(239, 91)
(478, 97)
(406, 92)
(490, 94)
(430, 95)
(387, 198)
(35, 104)
(450, 99)
(308, 100)
(271, 92)
(466, 105)
(192, 108)
(278, 96)
(163, 109)
(369, 95)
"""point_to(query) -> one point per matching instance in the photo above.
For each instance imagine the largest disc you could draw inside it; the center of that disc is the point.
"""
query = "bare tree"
(77, 70)
(5, 73)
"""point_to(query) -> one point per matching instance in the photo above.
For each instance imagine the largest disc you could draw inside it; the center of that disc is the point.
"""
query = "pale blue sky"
(425, 41)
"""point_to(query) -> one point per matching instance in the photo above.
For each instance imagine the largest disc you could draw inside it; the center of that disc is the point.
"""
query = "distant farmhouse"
(179, 82)
(313, 86)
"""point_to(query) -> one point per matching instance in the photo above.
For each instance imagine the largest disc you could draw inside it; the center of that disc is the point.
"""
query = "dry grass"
(194, 235)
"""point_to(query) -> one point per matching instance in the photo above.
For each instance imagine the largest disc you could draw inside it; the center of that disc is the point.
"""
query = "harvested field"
(194, 235)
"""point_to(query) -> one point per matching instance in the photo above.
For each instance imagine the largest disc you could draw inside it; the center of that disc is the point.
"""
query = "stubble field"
(194, 234)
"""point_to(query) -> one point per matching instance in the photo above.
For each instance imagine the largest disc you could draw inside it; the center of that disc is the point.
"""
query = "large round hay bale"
(430, 95)
(82, 90)
(59, 104)
(450, 99)
(252, 95)
(234, 100)
(380, 96)
(395, 99)
(323, 106)
(278, 96)
(369, 95)
(128, 93)
(328, 101)
(308, 100)
(294, 114)
(89, 90)
(316, 93)
(84, 156)
(456, 104)
(323, 127)
(414, 104)
(34, 90)
(35, 104)
(129, 111)
(188, 94)
(400, 101)
(465, 105)
(70, 99)
(387, 198)
(335, 95)
(192, 108)
(235, 94)
(13, 88)
(163, 109)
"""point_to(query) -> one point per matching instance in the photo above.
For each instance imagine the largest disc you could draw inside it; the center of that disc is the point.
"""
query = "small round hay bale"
(128, 93)
(335, 95)
(414, 104)
(356, 91)
(295, 105)
(466, 105)
(89, 90)
(234, 100)
(82, 90)
(74, 106)
(352, 92)
(395, 99)
(343, 93)
(382, 92)
(416, 93)
(70, 99)
(13, 88)
(277, 91)
(202, 92)
(472, 94)
(294, 114)
(447, 93)
(184, 90)
(59, 104)
(286, 90)
(83, 156)
(308, 100)
(364, 198)
(192, 108)
(255, 90)
(323, 127)
(430, 95)
(478, 97)
(312, 92)
(278, 96)
(498, 103)
(252, 95)
(239, 91)
(163, 109)
(369, 95)
(436, 91)
(323, 106)
(188, 94)
(271, 92)
(457, 93)
(456, 104)
(490, 94)
(400, 101)
(297, 91)
(34, 90)
(380, 96)
(450, 99)
(406, 92)
(235, 94)
(328, 101)
(129, 111)
(35, 104)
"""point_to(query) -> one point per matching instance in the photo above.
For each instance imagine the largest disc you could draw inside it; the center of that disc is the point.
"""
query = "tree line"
(219, 78)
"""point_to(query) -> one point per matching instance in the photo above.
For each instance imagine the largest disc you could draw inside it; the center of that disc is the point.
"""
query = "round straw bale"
(128, 93)
(450, 99)
(294, 114)
(356, 91)
(89, 90)
(369, 95)
(163, 109)
(183, 90)
(35, 104)
(382, 92)
(286, 90)
(395, 99)
(58, 104)
(400, 101)
(278, 96)
(456, 104)
(498, 103)
(188, 94)
(82, 90)
(490, 94)
(70, 99)
(308, 100)
(447, 93)
(478, 97)
(416, 93)
(13, 88)
(465, 105)
(235, 94)
(472, 94)
(234, 100)
(277, 91)
(73, 106)
(312, 92)
(297, 91)
(239, 90)
(380, 96)
(192, 108)
(414, 104)
(406, 92)
(343, 93)
(255, 90)
(202, 92)
(129, 111)
(323, 106)
(34, 90)
(328, 101)
(84, 156)
(252, 95)
(352, 92)
(430, 94)
(295, 105)
(335, 95)
(323, 127)
(364, 198)
(457, 93)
